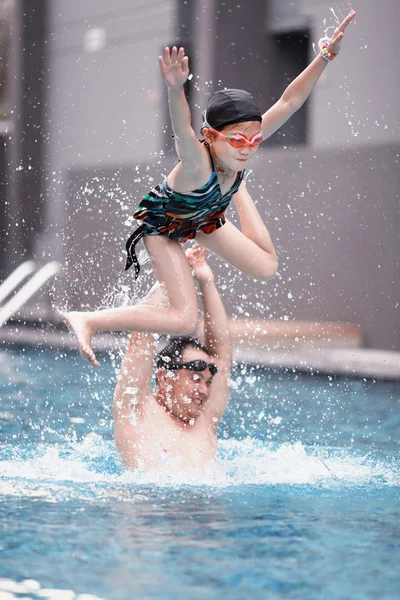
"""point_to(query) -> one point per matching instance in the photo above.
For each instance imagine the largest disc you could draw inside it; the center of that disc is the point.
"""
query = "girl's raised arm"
(174, 67)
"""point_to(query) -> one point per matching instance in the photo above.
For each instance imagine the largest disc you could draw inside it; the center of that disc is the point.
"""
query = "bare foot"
(77, 322)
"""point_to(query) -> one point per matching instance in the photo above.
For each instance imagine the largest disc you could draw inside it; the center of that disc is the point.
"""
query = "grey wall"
(334, 216)
(105, 104)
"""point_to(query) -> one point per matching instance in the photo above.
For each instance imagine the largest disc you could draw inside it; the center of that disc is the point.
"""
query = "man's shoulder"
(151, 411)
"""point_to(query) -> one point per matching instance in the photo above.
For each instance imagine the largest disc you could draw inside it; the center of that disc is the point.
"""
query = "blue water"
(302, 502)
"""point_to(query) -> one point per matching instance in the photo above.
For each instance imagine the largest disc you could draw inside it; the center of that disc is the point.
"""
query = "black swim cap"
(227, 107)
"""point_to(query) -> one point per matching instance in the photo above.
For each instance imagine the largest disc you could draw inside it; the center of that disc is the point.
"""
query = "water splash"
(92, 468)
(338, 21)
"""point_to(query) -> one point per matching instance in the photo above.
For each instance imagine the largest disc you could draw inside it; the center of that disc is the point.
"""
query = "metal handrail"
(12, 281)
(28, 290)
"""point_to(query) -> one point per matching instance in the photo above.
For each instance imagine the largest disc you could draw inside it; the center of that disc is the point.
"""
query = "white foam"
(31, 585)
(88, 597)
(9, 587)
(53, 471)
(7, 596)
(56, 594)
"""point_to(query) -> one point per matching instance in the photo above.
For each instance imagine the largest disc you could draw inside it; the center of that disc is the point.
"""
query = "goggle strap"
(205, 122)
(190, 366)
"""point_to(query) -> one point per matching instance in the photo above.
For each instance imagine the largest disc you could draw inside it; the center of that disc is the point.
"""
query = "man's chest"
(161, 437)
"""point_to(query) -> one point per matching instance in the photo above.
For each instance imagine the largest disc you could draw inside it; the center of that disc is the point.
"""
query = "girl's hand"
(197, 260)
(338, 34)
(174, 67)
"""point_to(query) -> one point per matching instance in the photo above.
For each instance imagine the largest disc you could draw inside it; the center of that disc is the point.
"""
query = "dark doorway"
(292, 56)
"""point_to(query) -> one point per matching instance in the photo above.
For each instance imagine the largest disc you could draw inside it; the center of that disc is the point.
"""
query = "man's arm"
(298, 91)
(132, 389)
(216, 332)
(133, 386)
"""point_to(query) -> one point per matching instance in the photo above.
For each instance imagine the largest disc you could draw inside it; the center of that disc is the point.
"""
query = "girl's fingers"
(174, 57)
(199, 250)
(200, 258)
(185, 64)
(343, 25)
(174, 54)
(181, 55)
(196, 255)
(189, 254)
(337, 34)
(334, 45)
(337, 38)
(347, 20)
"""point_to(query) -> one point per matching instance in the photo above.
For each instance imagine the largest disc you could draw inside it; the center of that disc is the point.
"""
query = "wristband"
(323, 47)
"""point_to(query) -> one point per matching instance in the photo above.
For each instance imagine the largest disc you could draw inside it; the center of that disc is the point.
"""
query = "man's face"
(185, 391)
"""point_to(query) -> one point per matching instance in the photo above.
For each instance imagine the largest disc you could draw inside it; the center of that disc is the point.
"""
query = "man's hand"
(197, 260)
(174, 67)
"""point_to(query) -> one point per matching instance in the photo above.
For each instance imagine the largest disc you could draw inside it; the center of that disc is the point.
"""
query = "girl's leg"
(232, 245)
(172, 269)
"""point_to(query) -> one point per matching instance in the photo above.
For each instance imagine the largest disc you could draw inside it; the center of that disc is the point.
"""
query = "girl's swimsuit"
(180, 215)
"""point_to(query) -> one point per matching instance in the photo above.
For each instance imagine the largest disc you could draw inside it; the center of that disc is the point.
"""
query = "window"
(292, 56)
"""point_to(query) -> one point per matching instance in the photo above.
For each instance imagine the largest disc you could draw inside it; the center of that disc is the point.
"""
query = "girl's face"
(227, 155)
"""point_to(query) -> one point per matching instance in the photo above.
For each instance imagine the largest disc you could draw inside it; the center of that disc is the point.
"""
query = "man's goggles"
(192, 365)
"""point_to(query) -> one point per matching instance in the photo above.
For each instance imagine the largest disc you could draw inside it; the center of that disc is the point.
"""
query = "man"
(175, 427)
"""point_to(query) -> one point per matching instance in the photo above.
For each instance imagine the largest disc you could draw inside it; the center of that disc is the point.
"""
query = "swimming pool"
(302, 501)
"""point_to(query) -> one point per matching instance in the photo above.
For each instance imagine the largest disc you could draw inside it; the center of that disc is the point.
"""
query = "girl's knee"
(266, 268)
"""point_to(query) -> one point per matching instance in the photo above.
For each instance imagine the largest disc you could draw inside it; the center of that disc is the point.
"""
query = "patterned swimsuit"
(180, 215)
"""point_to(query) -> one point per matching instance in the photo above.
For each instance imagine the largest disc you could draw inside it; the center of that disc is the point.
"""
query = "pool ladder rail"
(40, 276)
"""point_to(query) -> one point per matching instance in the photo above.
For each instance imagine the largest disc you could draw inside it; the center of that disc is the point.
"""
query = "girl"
(192, 200)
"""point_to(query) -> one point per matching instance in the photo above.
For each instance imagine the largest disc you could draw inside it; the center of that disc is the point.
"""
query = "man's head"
(184, 377)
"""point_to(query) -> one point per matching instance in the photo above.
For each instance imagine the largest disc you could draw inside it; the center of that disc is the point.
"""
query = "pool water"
(303, 500)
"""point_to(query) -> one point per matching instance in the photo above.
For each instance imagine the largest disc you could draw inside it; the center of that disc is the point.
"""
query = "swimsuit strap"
(211, 158)
(131, 258)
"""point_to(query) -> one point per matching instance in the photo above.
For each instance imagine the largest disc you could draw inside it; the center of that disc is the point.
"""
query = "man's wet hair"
(173, 351)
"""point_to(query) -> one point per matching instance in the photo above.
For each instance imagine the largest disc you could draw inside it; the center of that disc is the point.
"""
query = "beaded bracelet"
(324, 52)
